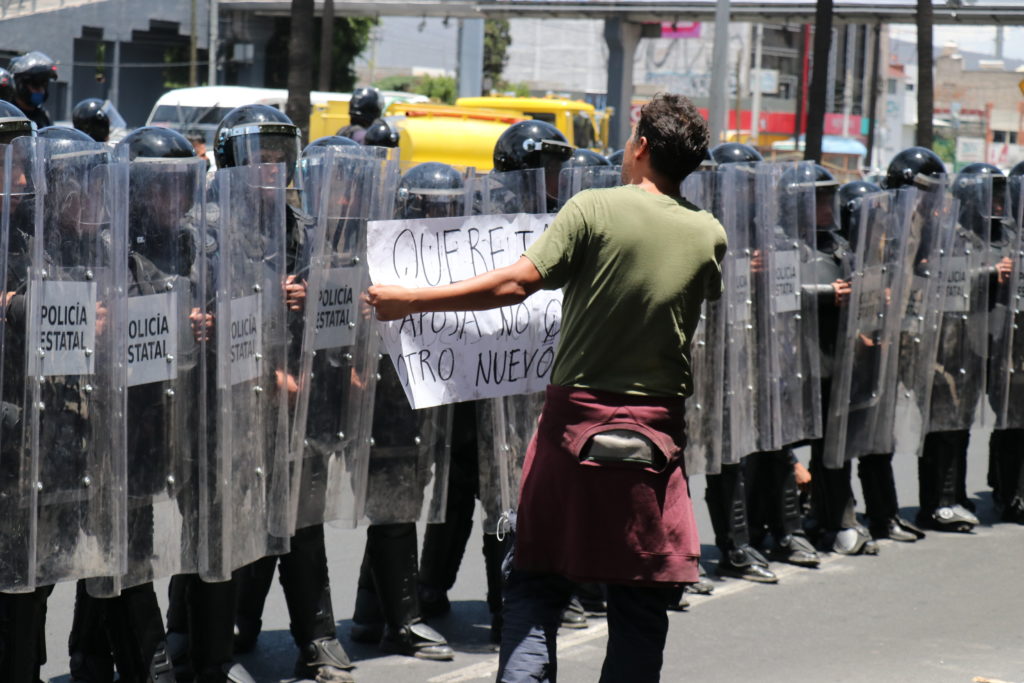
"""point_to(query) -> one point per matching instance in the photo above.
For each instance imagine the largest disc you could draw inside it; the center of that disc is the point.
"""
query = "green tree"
(439, 88)
(497, 39)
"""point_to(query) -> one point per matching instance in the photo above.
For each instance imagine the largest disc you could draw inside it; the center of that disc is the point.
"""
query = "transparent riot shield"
(75, 375)
(337, 364)
(785, 233)
(244, 504)
(933, 219)
(707, 357)
(574, 179)
(163, 219)
(409, 456)
(508, 192)
(747, 393)
(505, 425)
(863, 400)
(1006, 367)
(17, 491)
(967, 270)
(504, 428)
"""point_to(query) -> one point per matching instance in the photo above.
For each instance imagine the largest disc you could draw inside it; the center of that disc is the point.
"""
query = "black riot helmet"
(6, 85)
(615, 158)
(13, 123)
(90, 117)
(365, 106)
(978, 208)
(803, 176)
(735, 153)
(585, 157)
(1014, 182)
(254, 134)
(531, 144)
(850, 196)
(33, 69)
(154, 142)
(381, 134)
(60, 134)
(162, 188)
(332, 141)
(431, 190)
(917, 166)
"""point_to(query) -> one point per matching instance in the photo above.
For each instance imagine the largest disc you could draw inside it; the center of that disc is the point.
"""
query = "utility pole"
(755, 114)
(719, 72)
(211, 73)
(193, 50)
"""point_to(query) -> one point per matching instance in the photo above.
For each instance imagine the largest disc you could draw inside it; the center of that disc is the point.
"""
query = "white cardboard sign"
(460, 356)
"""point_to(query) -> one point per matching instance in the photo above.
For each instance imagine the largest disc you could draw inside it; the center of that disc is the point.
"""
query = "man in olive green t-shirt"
(634, 267)
(635, 264)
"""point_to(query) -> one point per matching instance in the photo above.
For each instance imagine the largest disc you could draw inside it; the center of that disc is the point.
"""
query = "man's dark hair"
(677, 135)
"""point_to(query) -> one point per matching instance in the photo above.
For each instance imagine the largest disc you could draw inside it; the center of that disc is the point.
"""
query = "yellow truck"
(459, 136)
(581, 123)
(464, 134)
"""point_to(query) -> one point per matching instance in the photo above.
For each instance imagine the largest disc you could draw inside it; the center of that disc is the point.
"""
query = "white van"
(201, 109)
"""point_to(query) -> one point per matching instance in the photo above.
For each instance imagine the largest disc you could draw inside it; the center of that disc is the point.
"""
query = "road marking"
(489, 668)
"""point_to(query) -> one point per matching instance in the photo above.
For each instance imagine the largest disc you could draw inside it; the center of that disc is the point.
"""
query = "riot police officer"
(881, 506)
(534, 144)
(22, 614)
(726, 491)
(971, 269)
(1006, 457)
(381, 134)
(303, 570)
(407, 446)
(832, 496)
(91, 118)
(364, 107)
(126, 630)
(32, 74)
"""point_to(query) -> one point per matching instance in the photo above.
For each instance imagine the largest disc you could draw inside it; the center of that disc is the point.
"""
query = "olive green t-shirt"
(635, 268)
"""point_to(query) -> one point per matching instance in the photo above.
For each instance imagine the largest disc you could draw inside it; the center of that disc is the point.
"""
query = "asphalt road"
(945, 609)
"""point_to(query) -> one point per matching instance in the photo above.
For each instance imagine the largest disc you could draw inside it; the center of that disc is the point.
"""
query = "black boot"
(367, 617)
(200, 625)
(135, 629)
(23, 635)
(91, 655)
(307, 591)
(253, 586)
(939, 474)
(392, 552)
(494, 554)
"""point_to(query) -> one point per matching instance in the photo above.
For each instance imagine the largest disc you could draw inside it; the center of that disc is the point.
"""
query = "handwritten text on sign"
(450, 357)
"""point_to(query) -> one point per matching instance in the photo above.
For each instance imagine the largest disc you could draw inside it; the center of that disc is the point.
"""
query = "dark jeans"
(637, 628)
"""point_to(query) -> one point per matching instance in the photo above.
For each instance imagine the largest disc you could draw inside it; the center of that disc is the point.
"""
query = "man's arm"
(498, 287)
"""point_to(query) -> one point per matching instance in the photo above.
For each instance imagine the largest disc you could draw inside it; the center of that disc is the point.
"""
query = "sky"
(969, 38)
